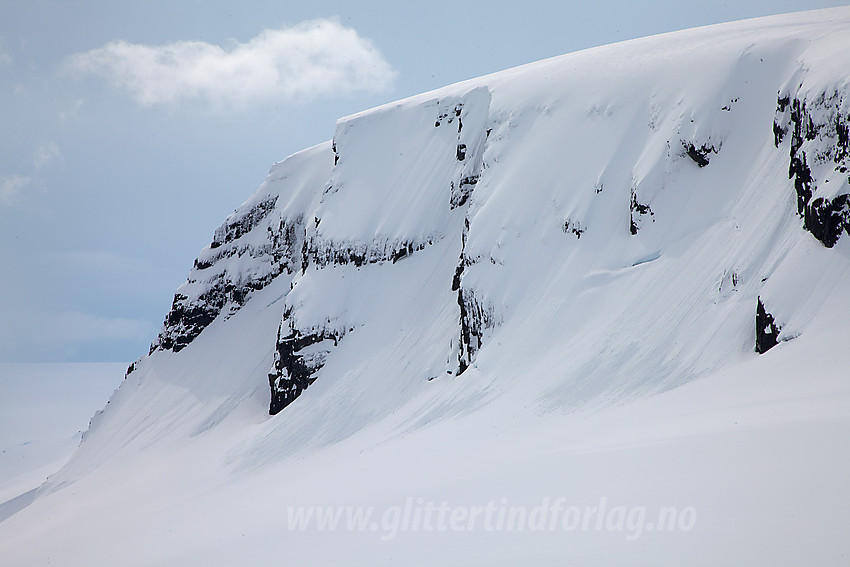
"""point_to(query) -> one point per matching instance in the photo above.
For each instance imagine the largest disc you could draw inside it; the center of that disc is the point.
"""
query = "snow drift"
(458, 276)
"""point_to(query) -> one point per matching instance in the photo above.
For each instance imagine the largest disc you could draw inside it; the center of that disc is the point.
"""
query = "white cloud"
(11, 188)
(45, 154)
(318, 57)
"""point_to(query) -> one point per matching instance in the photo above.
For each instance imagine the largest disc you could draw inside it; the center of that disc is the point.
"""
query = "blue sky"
(132, 129)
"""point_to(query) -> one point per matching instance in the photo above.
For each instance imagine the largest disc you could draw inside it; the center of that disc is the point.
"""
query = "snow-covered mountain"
(616, 275)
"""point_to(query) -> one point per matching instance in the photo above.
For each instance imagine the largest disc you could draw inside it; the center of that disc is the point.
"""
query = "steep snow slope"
(507, 289)
(43, 410)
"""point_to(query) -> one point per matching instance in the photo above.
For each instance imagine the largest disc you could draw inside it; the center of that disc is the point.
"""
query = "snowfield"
(44, 410)
(513, 321)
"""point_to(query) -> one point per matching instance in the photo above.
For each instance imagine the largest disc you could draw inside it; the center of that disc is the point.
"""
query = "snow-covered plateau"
(589, 311)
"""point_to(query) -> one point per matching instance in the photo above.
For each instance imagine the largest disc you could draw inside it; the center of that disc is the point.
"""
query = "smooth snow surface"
(44, 408)
(611, 281)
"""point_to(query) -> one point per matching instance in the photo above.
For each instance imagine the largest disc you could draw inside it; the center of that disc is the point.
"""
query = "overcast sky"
(131, 129)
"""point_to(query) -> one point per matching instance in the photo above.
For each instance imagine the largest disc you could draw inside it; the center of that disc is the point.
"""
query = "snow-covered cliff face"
(611, 214)
(620, 273)
(260, 241)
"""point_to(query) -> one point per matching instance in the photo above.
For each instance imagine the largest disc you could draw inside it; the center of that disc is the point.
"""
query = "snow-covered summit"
(639, 191)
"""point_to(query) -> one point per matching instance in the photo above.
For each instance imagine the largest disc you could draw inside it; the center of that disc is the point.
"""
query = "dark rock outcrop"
(237, 226)
(299, 355)
(476, 316)
(826, 219)
(449, 117)
(462, 191)
(211, 286)
(322, 253)
(820, 138)
(700, 154)
(461, 152)
(575, 228)
(636, 210)
(767, 331)
(187, 319)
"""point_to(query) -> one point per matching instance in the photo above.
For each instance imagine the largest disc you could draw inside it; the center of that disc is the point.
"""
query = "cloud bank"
(319, 57)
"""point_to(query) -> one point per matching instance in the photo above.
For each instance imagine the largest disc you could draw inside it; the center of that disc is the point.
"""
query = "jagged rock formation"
(219, 281)
(299, 355)
(819, 151)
